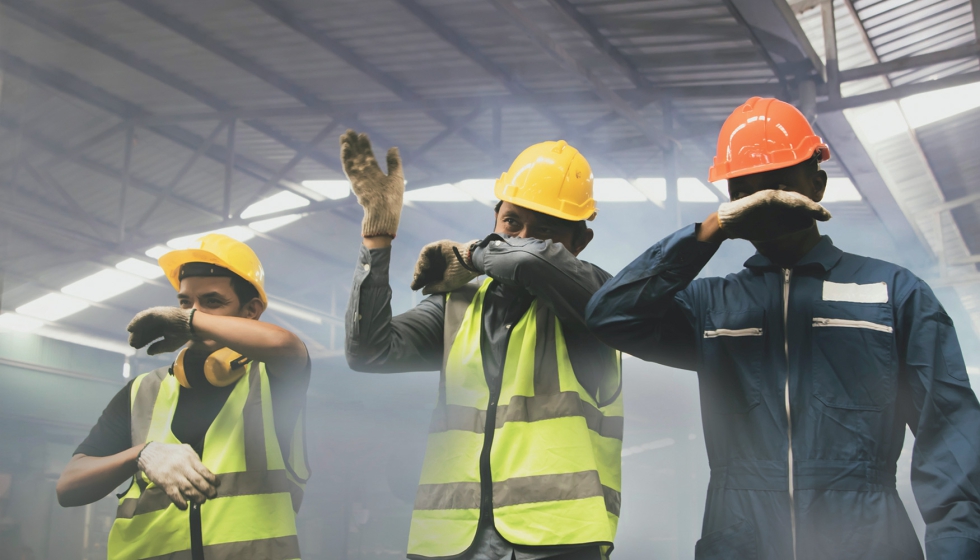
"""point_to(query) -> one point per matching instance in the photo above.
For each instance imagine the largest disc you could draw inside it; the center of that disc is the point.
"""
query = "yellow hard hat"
(552, 178)
(221, 250)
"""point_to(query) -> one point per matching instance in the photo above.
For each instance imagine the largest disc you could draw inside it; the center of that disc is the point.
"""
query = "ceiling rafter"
(249, 65)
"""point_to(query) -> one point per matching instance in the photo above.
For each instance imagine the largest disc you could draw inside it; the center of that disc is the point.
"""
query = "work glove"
(444, 266)
(174, 324)
(176, 468)
(769, 214)
(380, 195)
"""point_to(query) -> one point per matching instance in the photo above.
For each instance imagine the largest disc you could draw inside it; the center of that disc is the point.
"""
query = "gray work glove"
(440, 269)
(171, 323)
(176, 468)
(769, 214)
(380, 195)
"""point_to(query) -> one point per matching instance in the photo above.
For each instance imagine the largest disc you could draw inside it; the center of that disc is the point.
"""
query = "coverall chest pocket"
(853, 347)
(732, 349)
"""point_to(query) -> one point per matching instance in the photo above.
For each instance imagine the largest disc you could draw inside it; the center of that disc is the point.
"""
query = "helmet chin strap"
(222, 367)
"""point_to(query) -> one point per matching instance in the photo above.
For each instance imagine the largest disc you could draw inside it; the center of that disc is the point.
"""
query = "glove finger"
(175, 496)
(165, 345)
(200, 483)
(191, 493)
(431, 267)
(394, 161)
(205, 473)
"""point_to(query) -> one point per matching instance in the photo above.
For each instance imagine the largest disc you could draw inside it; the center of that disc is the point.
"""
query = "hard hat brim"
(172, 261)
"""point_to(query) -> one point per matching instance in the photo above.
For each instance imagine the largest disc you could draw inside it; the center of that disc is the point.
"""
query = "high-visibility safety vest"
(254, 515)
(554, 448)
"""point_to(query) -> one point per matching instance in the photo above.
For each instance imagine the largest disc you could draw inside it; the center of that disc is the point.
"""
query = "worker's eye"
(185, 304)
(214, 302)
(512, 223)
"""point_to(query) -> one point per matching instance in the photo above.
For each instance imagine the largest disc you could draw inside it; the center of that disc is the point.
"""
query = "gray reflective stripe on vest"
(527, 409)
(146, 399)
(520, 490)
(229, 485)
(255, 457)
(280, 548)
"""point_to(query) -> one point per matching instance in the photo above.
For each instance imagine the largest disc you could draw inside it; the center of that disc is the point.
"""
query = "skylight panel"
(480, 189)
(332, 189)
(264, 226)
(52, 307)
(240, 233)
(157, 251)
(927, 108)
(615, 190)
(141, 268)
(17, 322)
(841, 189)
(102, 285)
(283, 200)
(690, 189)
(654, 188)
(438, 193)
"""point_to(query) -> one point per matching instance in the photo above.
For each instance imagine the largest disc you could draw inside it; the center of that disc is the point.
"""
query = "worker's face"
(798, 178)
(214, 295)
(516, 221)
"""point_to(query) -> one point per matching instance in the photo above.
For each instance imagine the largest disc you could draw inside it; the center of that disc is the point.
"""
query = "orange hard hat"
(762, 135)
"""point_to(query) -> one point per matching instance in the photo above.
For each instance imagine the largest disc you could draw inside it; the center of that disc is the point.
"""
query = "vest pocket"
(736, 542)
(732, 349)
(852, 355)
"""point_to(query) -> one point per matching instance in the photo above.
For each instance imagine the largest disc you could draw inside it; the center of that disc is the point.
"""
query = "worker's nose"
(524, 234)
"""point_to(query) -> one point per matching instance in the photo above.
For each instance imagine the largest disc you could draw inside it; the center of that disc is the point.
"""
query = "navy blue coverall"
(819, 366)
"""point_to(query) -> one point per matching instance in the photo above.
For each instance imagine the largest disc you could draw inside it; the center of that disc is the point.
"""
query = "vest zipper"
(787, 276)
(197, 540)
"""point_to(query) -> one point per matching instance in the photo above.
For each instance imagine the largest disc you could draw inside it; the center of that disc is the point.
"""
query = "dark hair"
(578, 228)
(244, 289)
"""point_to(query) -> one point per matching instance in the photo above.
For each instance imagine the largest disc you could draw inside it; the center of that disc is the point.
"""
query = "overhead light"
(615, 190)
(52, 307)
(480, 189)
(285, 309)
(653, 445)
(438, 193)
(273, 223)
(877, 122)
(841, 189)
(283, 200)
(127, 369)
(690, 189)
(102, 285)
(15, 322)
(653, 188)
(240, 233)
(722, 187)
(332, 189)
(140, 268)
(927, 108)
(157, 251)
(83, 339)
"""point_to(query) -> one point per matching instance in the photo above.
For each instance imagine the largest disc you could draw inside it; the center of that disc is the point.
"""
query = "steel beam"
(911, 62)
(572, 64)
(282, 14)
(49, 181)
(898, 92)
(830, 46)
(201, 38)
(48, 22)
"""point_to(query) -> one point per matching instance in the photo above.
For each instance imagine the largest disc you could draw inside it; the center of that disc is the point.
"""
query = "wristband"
(190, 323)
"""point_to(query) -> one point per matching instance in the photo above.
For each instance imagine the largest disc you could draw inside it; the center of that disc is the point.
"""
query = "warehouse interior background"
(129, 127)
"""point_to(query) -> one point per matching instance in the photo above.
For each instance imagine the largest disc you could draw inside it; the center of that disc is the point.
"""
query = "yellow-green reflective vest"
(555, 456)
(254, 515)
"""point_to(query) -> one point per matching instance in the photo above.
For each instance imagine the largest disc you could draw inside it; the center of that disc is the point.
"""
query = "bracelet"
(190, 323)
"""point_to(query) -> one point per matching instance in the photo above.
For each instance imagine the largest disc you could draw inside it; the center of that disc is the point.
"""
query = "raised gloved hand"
(769, 214)
(176, 468)
(440, 269)
(172, 323)
(380, 195)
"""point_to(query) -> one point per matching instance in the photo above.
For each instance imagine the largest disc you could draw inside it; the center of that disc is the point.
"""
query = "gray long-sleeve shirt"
(522, 269)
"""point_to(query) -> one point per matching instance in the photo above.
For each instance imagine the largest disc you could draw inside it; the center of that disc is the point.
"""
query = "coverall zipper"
(787, 275)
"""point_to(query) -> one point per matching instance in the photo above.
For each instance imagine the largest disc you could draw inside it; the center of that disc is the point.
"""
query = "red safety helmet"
(762, 135)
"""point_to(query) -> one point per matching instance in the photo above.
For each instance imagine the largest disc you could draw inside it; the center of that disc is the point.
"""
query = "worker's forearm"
(377, 242)
(282, 350)
(89, 479)
(709, 231)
